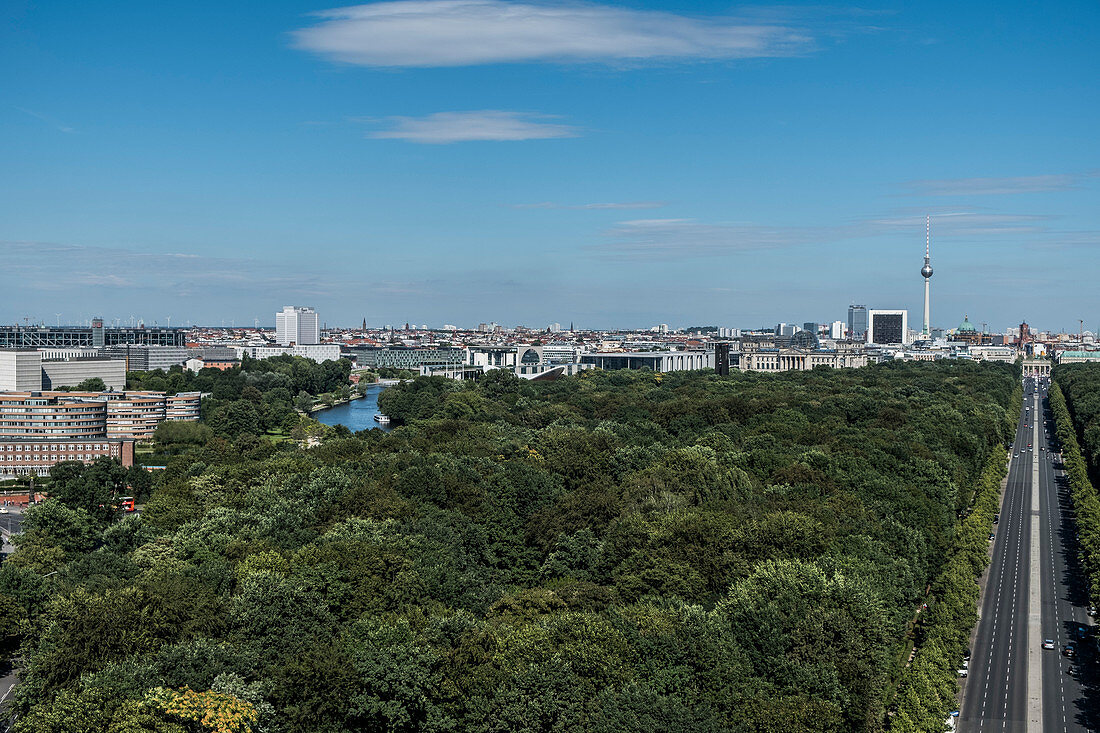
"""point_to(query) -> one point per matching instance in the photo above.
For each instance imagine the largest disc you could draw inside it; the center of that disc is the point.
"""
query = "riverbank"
(335, 403)
(358, 414)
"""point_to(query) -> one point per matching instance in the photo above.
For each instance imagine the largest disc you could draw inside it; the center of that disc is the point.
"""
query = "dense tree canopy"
(1075, 402)
(611, 552)
(260, 396)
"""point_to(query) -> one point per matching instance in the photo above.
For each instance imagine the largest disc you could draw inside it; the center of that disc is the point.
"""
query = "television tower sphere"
(926, 270)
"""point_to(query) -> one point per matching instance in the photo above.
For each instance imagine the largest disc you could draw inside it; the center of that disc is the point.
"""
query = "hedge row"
(1083, 494)
(929, 685)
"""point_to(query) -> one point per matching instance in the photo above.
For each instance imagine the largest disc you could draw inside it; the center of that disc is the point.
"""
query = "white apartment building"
(297, 325)
(317, 352)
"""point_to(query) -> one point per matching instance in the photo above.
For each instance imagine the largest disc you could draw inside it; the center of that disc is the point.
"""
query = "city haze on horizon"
(617, 166)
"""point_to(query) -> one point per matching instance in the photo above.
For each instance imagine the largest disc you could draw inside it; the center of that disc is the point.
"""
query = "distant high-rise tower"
(857, 322)
(926, 272)
(297, 325)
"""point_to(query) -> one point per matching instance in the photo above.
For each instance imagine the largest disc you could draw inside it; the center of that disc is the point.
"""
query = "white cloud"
(469, 32)
(996, 186)
(487, 124)
(613, 205)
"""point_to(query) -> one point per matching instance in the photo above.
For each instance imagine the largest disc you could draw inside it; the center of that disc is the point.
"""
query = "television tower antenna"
(926, 272)
(58, 319)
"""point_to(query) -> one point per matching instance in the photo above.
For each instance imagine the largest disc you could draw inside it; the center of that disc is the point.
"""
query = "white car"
(962, 673)
(1048, 643)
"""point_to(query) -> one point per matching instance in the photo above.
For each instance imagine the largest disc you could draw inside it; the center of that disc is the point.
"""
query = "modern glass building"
(857, 322)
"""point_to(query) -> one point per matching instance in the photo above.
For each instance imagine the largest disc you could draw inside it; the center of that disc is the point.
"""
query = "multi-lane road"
(1033, 594)
(10, 519)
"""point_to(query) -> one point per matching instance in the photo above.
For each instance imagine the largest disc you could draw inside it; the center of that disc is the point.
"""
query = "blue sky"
(626, 164)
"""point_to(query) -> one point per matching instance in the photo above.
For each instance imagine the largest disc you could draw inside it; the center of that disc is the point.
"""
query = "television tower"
(926, 271)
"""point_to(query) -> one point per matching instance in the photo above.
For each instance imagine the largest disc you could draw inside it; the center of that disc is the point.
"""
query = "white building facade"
(57, 373)
(886, 327)
(297, 325)
(20, 370)
(316, 352)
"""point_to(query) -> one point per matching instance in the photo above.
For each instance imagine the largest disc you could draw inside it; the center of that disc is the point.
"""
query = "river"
(355, 415)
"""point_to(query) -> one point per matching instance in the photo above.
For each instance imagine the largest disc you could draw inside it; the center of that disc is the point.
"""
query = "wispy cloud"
(73, 278)
(997, 186)
(48, 266)
(480, 125)
(614, 205)
(470, 32)
(59, 126)
(665, 239)
(675, 238)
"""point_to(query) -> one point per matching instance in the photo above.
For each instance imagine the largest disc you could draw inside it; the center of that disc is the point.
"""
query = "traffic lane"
(10, 523)
(1017, 690)
(1010, 651)
(1066, 693)
(1059, 691)
(994, 694)
(12, 520)
(8, 682)
(1079, 700)
(985, 696)
(1054, 708)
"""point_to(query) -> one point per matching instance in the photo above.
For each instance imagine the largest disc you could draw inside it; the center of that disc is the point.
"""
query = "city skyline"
(700, 164)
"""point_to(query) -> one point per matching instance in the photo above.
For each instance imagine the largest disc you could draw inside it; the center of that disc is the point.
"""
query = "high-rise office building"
(887, 327)
(857, 322)
(297, 325)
